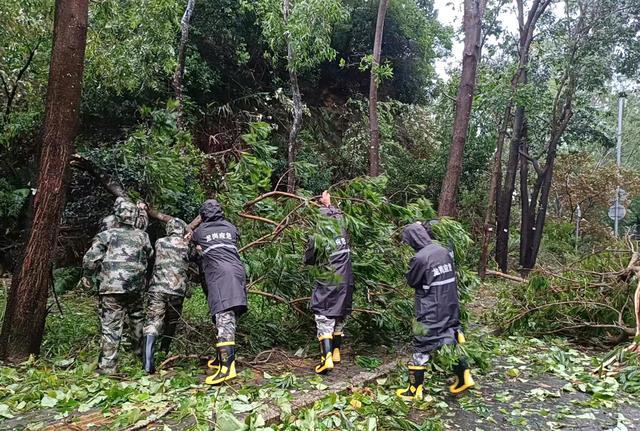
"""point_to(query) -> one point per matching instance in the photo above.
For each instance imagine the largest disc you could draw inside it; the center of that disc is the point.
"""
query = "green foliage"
(130, 47)
(308, 29)
(11, 200)
(585, 298)
(158, 163)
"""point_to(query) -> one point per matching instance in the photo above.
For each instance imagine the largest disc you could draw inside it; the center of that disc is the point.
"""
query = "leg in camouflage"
(135, 311)
(112, 313)
(156, 313)
(226, 326)
(171, 320)
(325, 325)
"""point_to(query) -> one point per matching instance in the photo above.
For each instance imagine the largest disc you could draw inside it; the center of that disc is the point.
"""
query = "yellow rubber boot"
(336, 344)
(227, 369)
(463, 379)
(326, 361)
(416, 382)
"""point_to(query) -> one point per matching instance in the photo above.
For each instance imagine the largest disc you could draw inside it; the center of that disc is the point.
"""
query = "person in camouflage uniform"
(120, 256)
(142, 220)
(167, 289)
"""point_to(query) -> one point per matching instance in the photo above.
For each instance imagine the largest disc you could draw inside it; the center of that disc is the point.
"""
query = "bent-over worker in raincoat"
(432, 274)
(225, 278)
(332, 296)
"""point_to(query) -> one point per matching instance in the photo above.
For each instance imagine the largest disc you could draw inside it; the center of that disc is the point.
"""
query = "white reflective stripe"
(441, 282)
(339, 252)
(214, 246)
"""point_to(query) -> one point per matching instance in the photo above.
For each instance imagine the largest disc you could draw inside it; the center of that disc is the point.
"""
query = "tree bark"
(297, 105)
(374, 127)
(473, 14)
(505, 198)
(178, 76)
(25, 314)
(494, 186)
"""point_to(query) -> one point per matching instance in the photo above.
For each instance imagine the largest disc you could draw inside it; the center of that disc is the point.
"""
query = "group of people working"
(120, 254)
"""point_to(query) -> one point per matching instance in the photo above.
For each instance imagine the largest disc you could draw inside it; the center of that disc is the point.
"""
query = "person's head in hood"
(126, 212)
(176, 226)
(211, 211)
(416, 236)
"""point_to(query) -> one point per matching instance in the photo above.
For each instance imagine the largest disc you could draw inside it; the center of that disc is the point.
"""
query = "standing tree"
(374, 149)
(583, 53)
(305, 28)
(472, 23)
(505, 196)
(25, 315)
(178, 76)
(296, 97)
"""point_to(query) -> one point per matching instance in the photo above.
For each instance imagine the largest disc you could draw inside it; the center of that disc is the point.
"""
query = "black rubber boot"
(336, 344)
(165, 344)
(463, 379)
(416, 382)
(226, 352)
(326, 361)
(148, 354)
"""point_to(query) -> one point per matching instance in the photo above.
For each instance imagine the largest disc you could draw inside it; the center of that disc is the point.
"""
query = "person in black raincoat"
(432, 275)
(332, 296)
(224, 275)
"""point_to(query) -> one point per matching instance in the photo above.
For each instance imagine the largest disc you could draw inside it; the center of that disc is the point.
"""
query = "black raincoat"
(332, 297)
(432, 274)
(223, 272)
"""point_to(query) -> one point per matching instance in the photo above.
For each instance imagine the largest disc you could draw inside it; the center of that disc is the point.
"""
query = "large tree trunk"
(25, 314)
(473, 13)
(297, 106)
(505, 199)
(494, 187)
(178, 76)
(374, 128)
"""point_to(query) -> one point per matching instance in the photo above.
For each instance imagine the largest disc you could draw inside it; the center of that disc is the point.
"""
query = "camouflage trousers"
(226, 326)
(329, 325)
(113, 310)
(419, 359)
(163, 314)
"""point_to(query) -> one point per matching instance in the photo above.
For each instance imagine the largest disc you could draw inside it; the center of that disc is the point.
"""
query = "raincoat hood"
(176, 226)
(126, 212)
(211, 211)
(416, 236)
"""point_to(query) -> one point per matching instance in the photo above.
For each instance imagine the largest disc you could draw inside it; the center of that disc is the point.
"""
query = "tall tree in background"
(178, 77)
(505, 196)
(304, 28)
(472, 23)
(25, 315)
(296, 97)
(585, 44)
(374, 149)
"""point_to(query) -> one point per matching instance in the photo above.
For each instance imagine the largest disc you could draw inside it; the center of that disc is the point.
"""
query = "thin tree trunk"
(526, 202)
(538, 208)
(505, 200)
(503, 206)
(473, 13)
(178, 76)
(494, 187)
(297, 106)
(374, 128)
(25, 314)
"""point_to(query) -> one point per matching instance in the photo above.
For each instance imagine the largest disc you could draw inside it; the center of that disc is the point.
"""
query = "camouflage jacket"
(171, 268)
(121, 256)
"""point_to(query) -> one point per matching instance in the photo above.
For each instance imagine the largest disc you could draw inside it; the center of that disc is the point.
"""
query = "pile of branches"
(595, 296)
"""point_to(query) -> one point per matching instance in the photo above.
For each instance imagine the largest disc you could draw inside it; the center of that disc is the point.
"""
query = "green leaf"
(48, 401)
